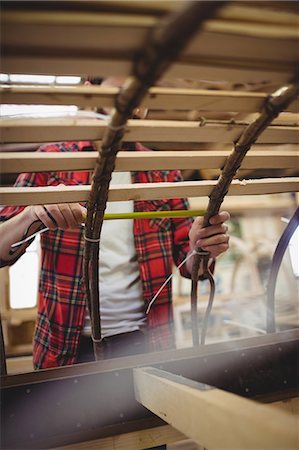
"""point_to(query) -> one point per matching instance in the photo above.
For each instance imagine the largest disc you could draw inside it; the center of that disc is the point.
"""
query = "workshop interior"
(212, 89)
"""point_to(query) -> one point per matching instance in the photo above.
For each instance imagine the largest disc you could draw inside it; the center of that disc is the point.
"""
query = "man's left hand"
(213, 238)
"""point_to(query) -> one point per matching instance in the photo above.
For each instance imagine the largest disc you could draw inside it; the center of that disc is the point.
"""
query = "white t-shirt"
(121, 301)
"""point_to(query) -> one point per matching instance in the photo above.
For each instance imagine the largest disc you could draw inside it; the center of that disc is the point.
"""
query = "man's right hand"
(63, 215)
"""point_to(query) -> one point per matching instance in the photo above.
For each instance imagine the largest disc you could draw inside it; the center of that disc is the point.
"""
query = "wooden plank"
(197, 410)
(244, 359)
(19, 364)
(50, 130)
(157, 98)
(125, 32)
(130, 161)
(151, 437)
(156, 436)
(60, 48)
(204, 69)
(140, 191)
(245, 12)
(290, 405)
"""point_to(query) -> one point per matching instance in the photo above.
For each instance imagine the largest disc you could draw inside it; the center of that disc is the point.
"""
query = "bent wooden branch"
(276, 103)
(162, 47)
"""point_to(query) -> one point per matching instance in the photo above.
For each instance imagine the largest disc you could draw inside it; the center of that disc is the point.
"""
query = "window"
(23, 278)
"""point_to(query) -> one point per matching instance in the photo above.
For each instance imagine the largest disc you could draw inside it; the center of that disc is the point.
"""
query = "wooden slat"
(245, 12)
(13, 162)
(212, 417)
(157, 98)
(49, 130)
(216, 70)
(248, 11)
(140, 191)
(60, 48)
(152, 437)
(124, 32)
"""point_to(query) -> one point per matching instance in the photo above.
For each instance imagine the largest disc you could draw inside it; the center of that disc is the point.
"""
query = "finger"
(198, 221)
(211, 241)
(59, 219)
(216, 250)
(212, 230)
(70, 215)
(221, 217)
(43, 215)
(77, 211)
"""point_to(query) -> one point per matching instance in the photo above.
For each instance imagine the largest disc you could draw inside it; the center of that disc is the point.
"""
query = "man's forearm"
(14, 230)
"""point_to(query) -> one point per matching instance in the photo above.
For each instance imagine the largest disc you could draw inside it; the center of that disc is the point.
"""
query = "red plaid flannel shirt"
(61, 300)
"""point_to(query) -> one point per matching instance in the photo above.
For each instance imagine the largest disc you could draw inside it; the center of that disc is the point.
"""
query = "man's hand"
(213, 238)
(63, 215)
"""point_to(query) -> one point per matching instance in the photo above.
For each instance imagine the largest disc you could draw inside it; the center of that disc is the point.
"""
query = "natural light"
(23, 278)
(24, 274)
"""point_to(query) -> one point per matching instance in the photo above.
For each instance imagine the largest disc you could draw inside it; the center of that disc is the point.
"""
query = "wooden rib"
(40, 63)
(157, 98)
(197, 410)
(51, 130)
(254, 29)
(124, 32)
(154, 191)
(130, 161)
(60, 48)
(247, 13)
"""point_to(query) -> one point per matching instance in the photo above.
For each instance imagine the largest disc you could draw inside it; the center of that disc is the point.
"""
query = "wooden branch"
(157, 98)
(150, 63)
(134, 161)
(197, 410)
(3, 366)
(274, 105)
(277, 258)
(53, 130)
(140, 191)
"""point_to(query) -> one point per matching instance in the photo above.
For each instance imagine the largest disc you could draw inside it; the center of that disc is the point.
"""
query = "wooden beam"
(125, 32)
(158, 435)
(60, 48)
(151, 437)
(248, 13)
(233, 71)
(53, 130)
(157, 98)
(140, 191)
(198, 410)
(13, 162)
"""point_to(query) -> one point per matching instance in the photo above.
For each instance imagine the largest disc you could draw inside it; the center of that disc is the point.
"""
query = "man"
(136, 257)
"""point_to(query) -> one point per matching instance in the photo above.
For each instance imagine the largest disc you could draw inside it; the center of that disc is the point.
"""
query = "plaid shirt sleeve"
(29, 180)
(7, 212)
(61, 304)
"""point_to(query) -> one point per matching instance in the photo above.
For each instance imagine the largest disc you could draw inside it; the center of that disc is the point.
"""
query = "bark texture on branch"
(274, 104)
(161, 48)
